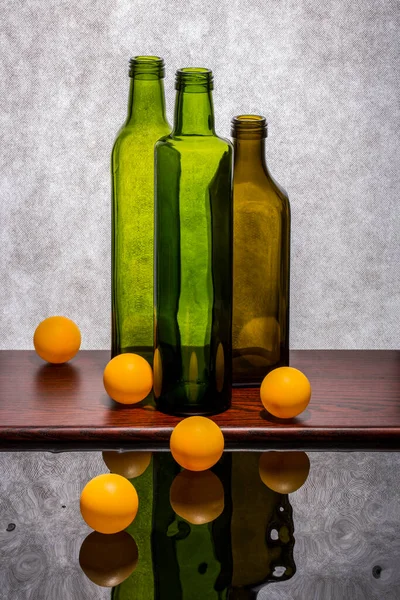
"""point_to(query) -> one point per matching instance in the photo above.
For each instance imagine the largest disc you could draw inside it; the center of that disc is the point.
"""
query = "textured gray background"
(326, 75)
(346, 520)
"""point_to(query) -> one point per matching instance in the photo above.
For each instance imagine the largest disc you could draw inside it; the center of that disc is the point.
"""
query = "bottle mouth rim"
(147, 67)
(148, 58)
(195, 70)
(194, 79)
(249, 126)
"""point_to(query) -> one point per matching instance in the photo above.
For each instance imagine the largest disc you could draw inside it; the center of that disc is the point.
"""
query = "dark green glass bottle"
(133, 209)
(193, 261)
(260, 330)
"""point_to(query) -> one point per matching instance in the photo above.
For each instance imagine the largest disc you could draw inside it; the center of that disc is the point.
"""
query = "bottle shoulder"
(131, 134)
(260, 189)
(190, 141)
(277, 187)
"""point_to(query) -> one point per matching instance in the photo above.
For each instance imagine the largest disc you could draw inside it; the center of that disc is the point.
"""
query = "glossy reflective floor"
(336, 538)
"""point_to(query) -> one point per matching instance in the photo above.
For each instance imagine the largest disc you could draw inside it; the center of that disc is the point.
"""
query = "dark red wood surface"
(355, 405)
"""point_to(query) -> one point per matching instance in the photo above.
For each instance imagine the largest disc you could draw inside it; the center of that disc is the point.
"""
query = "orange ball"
(197, 497)
(285, 392)
(57, 339)
(197, 443)
(284, 472)
(109, 503)
(128, 378)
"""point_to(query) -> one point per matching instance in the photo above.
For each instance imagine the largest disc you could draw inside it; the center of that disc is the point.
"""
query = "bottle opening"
(249, 127)
(147, 67)
(194, 79)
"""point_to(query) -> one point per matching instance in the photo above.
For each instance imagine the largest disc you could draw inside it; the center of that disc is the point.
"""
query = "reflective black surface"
(218, 534)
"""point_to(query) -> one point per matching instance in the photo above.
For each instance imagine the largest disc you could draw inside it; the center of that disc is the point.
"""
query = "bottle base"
(248, 384)
(191, 411)
(249, 369)
(171, 407)
(146, 352)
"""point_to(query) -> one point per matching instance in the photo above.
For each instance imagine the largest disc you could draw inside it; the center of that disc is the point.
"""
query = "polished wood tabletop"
(355, 405)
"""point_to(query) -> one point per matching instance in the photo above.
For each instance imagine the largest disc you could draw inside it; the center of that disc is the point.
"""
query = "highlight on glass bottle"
(193, 261)
(132, 167)
(261, 255)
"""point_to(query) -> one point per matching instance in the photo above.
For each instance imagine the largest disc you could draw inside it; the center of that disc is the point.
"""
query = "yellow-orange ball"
(197, 443)
(128, 378)
(109, 503)
(285, 392)
(284, 472)
(57, 339)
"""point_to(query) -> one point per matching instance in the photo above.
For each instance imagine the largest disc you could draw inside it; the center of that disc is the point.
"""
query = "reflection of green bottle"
(193, 256)
(140, 585)
(176, 559)
(191, 562)
(133, 209)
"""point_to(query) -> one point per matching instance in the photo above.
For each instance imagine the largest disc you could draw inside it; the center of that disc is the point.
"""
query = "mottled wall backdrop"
(326, 75)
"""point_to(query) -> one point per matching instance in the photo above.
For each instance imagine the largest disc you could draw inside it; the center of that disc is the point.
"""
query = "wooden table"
(355, 405)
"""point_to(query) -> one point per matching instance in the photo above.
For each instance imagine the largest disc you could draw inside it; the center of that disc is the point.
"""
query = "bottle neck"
(194, 110)
(146, 102)
(249, 155)
(194, 114)
(249, 133)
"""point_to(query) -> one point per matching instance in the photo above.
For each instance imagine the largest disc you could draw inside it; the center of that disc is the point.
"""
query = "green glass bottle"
(133, 209)
(193, 262)
(260, 329)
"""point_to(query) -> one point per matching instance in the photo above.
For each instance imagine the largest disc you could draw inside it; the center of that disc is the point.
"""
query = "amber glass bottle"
(133, 209)
(261, 254)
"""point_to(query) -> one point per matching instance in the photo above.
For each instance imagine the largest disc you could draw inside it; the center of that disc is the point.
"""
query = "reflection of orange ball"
(57, 339)
(285, 392)
(284, 472)
(197, 497)
(197, 443)
(128, 378)
(157, 373)
(127, 464)
(109, 503)
(108, 559)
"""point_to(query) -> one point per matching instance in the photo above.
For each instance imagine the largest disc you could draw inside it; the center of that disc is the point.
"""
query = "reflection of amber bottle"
(260, 334)
(261, 530)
